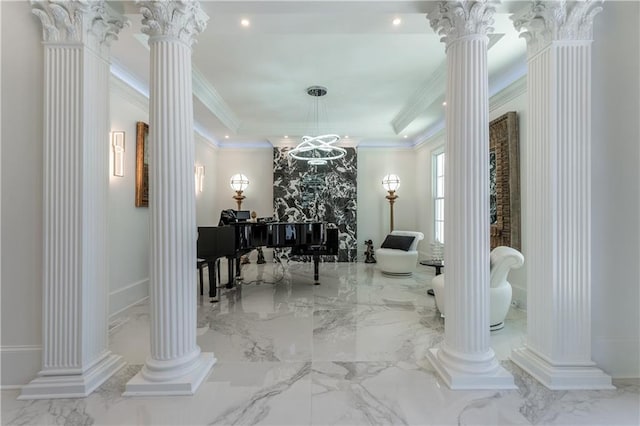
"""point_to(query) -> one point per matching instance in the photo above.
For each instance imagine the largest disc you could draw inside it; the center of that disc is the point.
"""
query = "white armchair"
(503, 259)
(398, 262)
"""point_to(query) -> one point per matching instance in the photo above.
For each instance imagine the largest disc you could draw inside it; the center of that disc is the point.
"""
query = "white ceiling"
(385, 83)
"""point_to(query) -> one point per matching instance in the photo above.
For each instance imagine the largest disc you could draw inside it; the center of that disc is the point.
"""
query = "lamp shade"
(239, 182)
(391, 182)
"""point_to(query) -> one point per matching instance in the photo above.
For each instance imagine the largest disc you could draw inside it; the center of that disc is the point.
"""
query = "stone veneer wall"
(325, 193)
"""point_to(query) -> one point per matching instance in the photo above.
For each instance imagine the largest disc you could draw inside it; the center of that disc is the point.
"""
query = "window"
(438, 196)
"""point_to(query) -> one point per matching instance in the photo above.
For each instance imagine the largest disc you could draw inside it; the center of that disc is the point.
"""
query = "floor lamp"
(391, 183)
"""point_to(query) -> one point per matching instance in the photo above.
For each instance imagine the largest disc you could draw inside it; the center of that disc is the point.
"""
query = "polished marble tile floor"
(350, 351)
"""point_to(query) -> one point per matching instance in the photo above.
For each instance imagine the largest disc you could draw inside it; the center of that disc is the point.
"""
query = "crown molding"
(245, 145)
(431, 91)
(208, 95)
(207, 143)
(509, 93)
(127, 91)
(434, 132)
(408, 144)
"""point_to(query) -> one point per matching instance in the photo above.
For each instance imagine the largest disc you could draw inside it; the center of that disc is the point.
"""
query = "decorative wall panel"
(327, 193)
(504, 181)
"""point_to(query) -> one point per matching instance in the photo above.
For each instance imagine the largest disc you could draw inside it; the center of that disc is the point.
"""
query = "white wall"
(207, 212)
(22, 162)
(257, 165)
(373, 207)
(128, 224)
(615, 190)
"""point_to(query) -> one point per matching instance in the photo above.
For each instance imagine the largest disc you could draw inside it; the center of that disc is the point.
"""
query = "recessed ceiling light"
(346, 136)
(406, 136)
(397, 21)
(444, 103)
(226, 136)
(245, 22)
(286, 136)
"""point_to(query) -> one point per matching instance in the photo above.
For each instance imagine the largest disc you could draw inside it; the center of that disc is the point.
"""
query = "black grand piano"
(235, 236)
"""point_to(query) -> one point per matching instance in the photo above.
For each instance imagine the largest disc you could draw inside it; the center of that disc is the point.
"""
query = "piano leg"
(316, 274)
(213, 286)
(230, 263)
(238, 263)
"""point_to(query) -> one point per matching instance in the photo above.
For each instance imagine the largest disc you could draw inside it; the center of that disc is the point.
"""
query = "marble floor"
(348, 352)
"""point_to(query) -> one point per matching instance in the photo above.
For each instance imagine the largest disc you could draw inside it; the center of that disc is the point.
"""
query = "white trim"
(20, 364)
(509, 93)
(215, 147)
(210, 98)
(401, 147)
(125, 297)
(435, 131)
(131, 305)
(431, 91)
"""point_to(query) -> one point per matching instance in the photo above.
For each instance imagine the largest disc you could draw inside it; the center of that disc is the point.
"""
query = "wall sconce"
(117, 142)
(391, 183)
(239, 183)
(199, 176)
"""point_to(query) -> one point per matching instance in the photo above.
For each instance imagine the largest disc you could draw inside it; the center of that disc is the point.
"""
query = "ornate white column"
(76, 157)
(465, 360)
(176, 366)
(558, 196)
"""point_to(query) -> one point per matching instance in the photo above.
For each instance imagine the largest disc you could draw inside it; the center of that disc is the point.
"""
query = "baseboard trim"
(74, 385)
(19, 364)
(127, 296)
(618, 357)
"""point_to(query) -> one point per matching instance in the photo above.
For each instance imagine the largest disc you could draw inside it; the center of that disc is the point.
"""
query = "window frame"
(438, 235)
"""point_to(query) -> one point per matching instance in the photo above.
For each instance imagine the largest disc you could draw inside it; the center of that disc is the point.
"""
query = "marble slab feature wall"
(327, 193)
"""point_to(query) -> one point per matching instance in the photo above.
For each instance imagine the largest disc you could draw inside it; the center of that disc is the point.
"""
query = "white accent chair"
(398, 262)
(503, 259)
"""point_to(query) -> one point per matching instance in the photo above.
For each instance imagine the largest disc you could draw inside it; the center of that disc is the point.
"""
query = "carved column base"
(49, 386)
(467, 374)
(186, 384)
(561, 377)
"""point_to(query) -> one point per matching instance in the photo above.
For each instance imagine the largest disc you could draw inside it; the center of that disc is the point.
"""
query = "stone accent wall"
(326, 193)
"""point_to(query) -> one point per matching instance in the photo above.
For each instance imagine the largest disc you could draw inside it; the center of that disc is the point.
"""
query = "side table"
(438, 265)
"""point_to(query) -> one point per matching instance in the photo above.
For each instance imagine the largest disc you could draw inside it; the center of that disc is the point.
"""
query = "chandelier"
(318, 150)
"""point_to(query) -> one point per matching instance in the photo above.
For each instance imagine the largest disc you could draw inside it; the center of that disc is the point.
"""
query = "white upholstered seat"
(503, 259)
(399, 262)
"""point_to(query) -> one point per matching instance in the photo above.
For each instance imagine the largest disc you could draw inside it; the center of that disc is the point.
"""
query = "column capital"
(179, 19)
(78, 21)
(546, 21)
(461, 18)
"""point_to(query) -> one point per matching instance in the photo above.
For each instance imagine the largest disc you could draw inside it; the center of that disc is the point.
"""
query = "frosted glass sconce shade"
(117, 142)
(199, 175)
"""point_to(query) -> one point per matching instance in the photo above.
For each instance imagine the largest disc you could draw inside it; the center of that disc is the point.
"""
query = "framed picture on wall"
(504, 185)
(142, 164)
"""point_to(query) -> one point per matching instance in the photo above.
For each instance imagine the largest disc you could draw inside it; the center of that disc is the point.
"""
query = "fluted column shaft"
(558, 197)
(176, 365)
(467, 199)
(76, 141)
(465, 360)
(172, 202)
